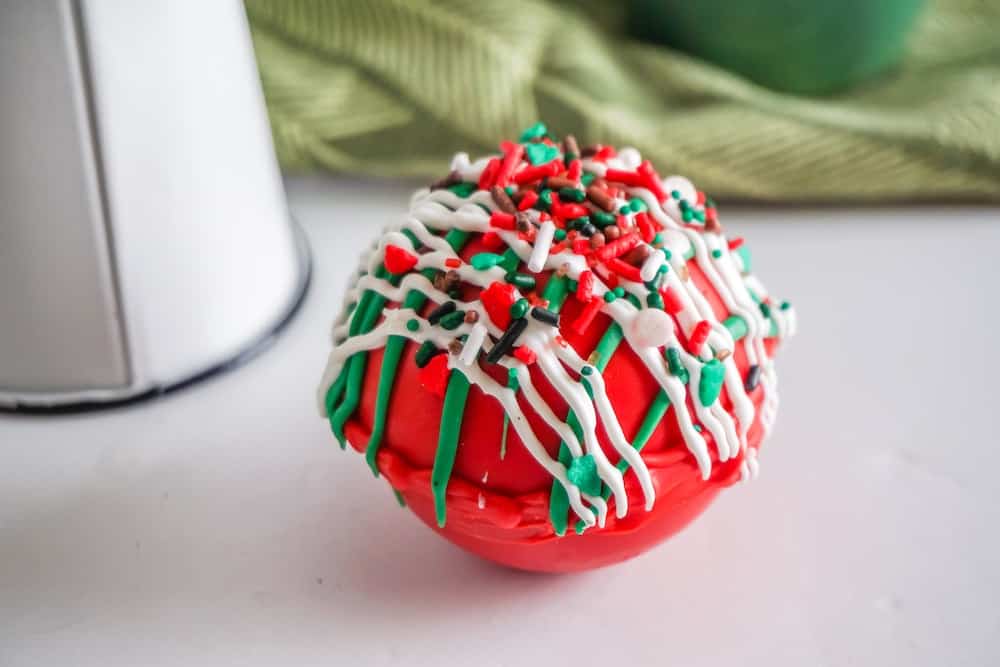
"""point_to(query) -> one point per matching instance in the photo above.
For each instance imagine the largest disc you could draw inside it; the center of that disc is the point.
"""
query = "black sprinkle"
(588, 230)
(753, 378)
(424, 353)
(507, 340)
(545, 316)
(441, 311)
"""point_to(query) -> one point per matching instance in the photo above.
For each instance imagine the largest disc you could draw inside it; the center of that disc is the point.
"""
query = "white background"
(222, 525)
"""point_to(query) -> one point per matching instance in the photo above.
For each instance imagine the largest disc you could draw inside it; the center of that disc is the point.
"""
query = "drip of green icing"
(710, 384)
(415, 299)
(451, 426)
(399, 498)
(582, 472)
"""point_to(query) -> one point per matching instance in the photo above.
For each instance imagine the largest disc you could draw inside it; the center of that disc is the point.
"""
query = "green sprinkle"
(485, 260)
(676, 194)
(572, 194)
(717, 253)
(521, 281)
(610, 296)
(536, 131)
(587, 370)
(452, 320)
(765, 309)
(578, 223)
(636, 204)
(744, 254)
(737, 326)
(510, 190)
(666, 253)
(541, 153)
(519, 308)
(544, 202)
(710, 385)
(674, 364)
(587, 179)
(687, 215)
(625, 210)
(464, 189)
(399, 498)
(510, 260)
(560, 235)
(785, 305)
(426, 350)
(619, 292)
(658, 239)
(698, 428)
(654, 300)
(582, 472)
(412, 324)
(512, 380)
(699, 215)
(601, 219)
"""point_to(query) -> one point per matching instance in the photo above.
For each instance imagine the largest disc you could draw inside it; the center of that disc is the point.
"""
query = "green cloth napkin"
(394, 88)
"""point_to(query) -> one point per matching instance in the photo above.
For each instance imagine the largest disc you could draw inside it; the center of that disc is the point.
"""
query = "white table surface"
(222, 525)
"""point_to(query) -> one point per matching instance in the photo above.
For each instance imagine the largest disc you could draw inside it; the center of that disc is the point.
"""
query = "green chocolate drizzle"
(451, 427)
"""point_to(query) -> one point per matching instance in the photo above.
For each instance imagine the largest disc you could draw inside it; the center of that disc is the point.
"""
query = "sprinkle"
(785, 305)
(651, 328)
(397, 260)
(618, 247)
(765, 309)
(502, 200)
(453, 320)
(570, 210)
(434, 376)
(604, 153)
(444, 309)
(525, 354)
(522, 222)
(560, 183)
(574, 167)
(520, 280)
(544, 201)
(597, 240)
(581, 246)
(424, 353)
(674, 364)
(588, 178)
(541, 154)
(646, 229)
(558, 235)
(536, 131)
(545, 316)
(651, 180)
(710, 384)
(654, 300)
(519, 309)
(619, 292)
(511, 159)
(722, 355)
(699, 336)
(570, 193)
(712, 225)
(471, 317)
(587, 315)
(507, 340)
(472, 344)
(497, 300)
(563, 269)
(485, 260)
(492, 241)
(536, 173)
(651, 266)
(753, 378)
(611, 232)
(502, 220)
(629, 178)
(672, 302)
(636, 204)
(412, 325)
(600, 198)
(587, 230)
(489, 174)
(543, 242)
(585, 286)
(625, 270)
(684, 272)
(528, 200)
(610, 296)
(735, 242)
(587, 370)
(449, 180)
(571, 148)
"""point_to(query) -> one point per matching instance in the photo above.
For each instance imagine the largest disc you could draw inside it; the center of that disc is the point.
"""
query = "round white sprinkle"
(652, 327)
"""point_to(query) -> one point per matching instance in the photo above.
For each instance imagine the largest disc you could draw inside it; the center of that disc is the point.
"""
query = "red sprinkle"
(497, 300)
(585, 286)
(645, 226)
(512, 157)
(573, 173)
(671, 301)
(618, 247)
(529, 174)
(624, 269)
(701, 197)
(581, 246)
(486, 179)
(652, 180)
(735, 242)
(502, 220)
(699, 336)
(629, 178)
(568, 211)
(398, 260)
(492, 241)
(525, 354)
(604, 153)
(434, 376)
(528, 200)
(454, 262)
(586, 316)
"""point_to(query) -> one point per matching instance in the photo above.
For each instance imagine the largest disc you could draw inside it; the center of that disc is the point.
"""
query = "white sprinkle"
(651, 266)
(481, 501)
(651, 327)
(543, 241)
(470, 351)
(486, 476)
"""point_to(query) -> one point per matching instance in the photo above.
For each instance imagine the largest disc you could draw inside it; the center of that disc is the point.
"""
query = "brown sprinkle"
(563, 269)
(712, 225)
(597, 240)
(722, 355)
(503, 200)
(450, 179)
(471, 317)
(589, 151)
(557, 182)
(570, 145)
(611, 232)
(601, 198)
(638, 254)
(455, 346)
(523, 222)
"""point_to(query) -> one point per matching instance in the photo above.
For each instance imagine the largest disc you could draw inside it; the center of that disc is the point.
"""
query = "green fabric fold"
(394, 88)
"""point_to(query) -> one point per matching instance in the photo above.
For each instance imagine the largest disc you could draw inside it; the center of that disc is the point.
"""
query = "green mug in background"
(798, 46)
